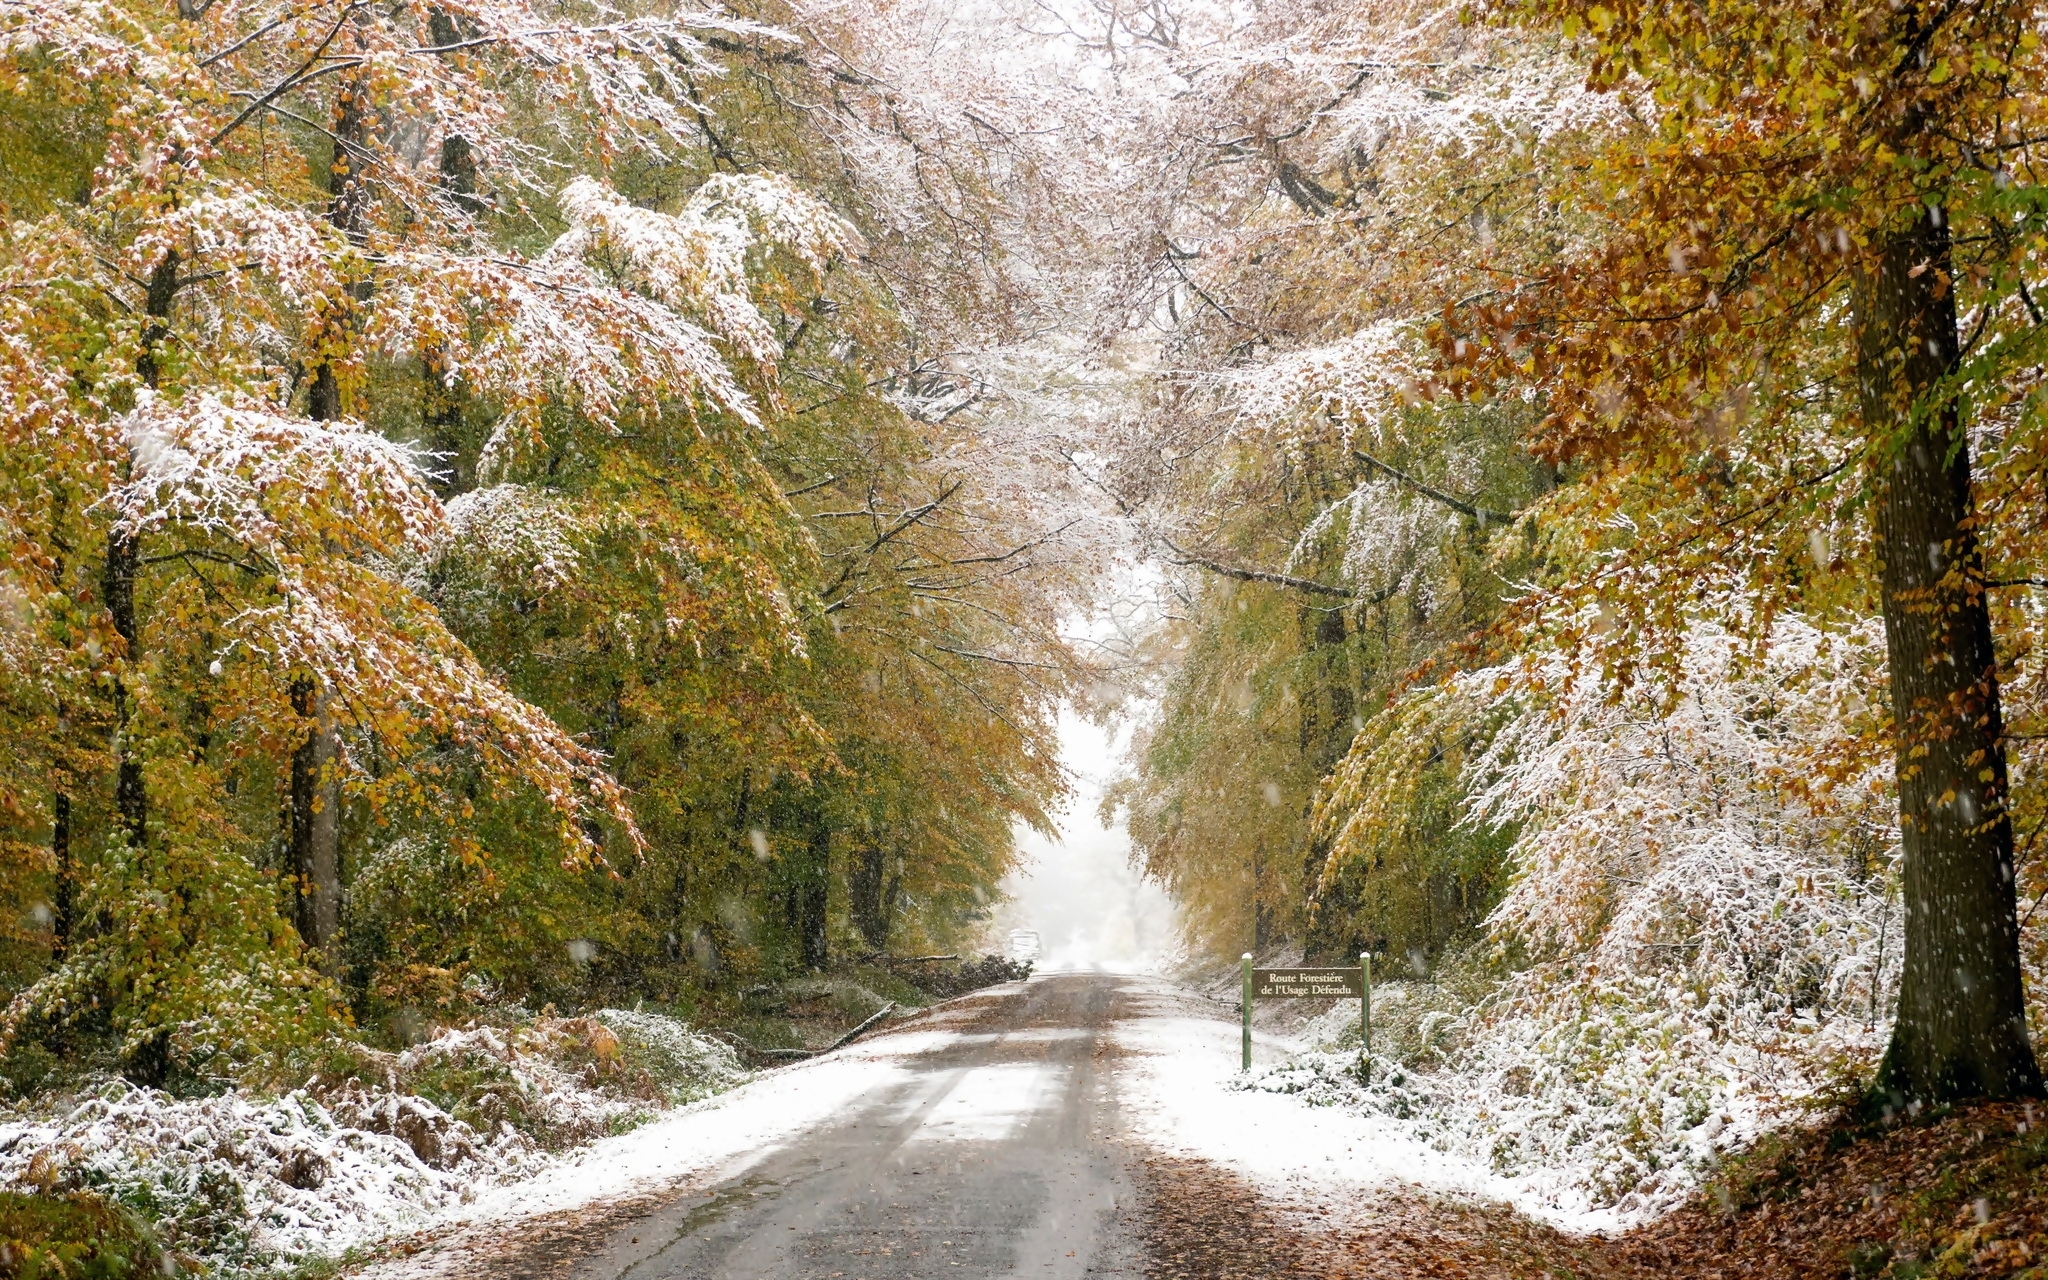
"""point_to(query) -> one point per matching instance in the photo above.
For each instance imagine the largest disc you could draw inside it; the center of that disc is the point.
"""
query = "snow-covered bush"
(844, 997)
(238, 1180)
(1416, 1023)
(1701, 930)
(567, 1080)
(353, 1155)
(678, 1062)
(1332, 1079)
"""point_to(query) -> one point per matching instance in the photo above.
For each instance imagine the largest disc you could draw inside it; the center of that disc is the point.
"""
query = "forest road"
(998, 1157)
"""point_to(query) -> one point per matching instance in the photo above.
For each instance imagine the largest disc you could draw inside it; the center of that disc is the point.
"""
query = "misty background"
(1089, 906)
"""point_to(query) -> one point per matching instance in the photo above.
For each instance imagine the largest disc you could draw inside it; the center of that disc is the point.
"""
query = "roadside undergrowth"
(239, 1180)
(363, 1143)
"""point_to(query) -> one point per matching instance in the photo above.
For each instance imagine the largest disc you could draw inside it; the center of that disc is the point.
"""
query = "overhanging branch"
(1481, 514)
(1288, 580)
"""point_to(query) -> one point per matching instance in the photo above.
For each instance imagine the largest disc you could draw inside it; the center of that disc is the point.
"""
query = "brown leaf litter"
(1953, 1195)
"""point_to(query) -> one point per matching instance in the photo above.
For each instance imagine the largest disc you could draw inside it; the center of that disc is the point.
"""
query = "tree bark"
(315, 808)
(458, 157)
(124, 557)
(60, 852)
(871, 894)
(1327, 708)
(63, 888)
(148, 1063)
(1961, 1025)
(816, 884)
(131, 798)
(316, 825)
(1327, 703)
(441, 394)
(806, 892)
(454, 472)
(347, 206)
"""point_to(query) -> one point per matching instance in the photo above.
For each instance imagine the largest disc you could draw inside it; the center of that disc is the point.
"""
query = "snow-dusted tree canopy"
(481, 477)
(495, 433)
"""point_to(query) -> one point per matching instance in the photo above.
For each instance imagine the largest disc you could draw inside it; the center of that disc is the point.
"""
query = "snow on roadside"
(249, 1183)
(723, 1134)
(1181, 1091)
(709, 1141)
(241, 1181)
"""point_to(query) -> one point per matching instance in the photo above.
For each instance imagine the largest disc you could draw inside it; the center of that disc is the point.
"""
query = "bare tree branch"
(1481, 514)
(303, 75)
(990, 657)
(815, 484)
(1287, 580)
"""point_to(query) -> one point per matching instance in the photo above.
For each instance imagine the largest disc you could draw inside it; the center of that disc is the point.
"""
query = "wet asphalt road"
(997, 1158)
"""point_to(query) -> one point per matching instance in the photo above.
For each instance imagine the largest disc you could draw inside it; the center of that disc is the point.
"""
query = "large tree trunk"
(871, 894)
(131, 799)
(806, 892)
(1961, 1027)
(315, 835)
(64, 884)
(148, 1061)
(441, 395)
(816, 884)
(458, 158)
(316, 825)
(117, 583)
(347, 210)
(1327, 703)
(1328, 707)
(60, 853)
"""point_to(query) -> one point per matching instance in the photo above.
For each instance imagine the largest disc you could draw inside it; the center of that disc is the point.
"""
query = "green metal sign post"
(1247, 1007)
(1365, 1017)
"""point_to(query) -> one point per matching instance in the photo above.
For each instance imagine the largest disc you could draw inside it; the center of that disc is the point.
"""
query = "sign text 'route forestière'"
(1270, 984)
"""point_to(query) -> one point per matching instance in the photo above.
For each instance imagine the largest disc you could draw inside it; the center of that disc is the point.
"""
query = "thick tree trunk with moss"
(1961, 1027)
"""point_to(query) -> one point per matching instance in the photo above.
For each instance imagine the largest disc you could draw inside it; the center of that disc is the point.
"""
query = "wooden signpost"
(1308, 984)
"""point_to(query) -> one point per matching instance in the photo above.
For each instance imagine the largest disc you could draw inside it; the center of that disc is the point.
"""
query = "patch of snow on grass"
(237, 1180)
(248, 1182)
(1181, 1090)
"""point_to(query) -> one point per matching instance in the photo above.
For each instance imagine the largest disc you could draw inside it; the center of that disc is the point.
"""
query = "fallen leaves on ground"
(1203, 1223)
(1958, 1195)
